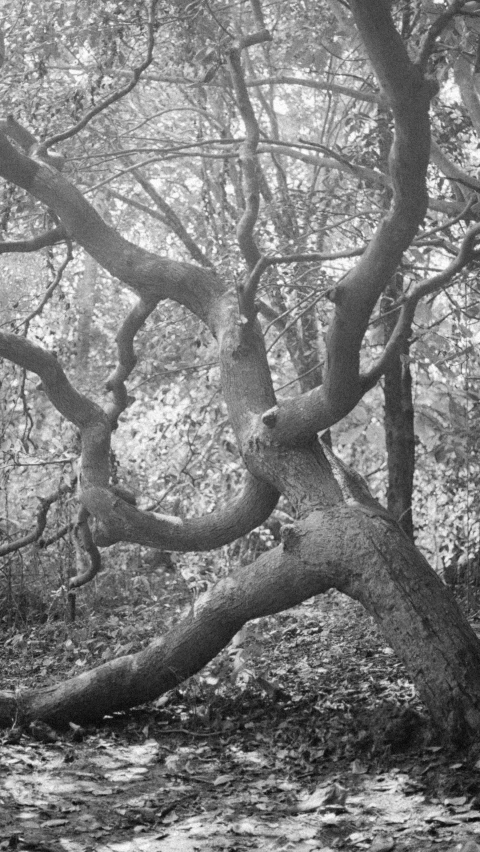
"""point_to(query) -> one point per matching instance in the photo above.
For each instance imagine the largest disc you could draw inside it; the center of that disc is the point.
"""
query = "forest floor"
(305, 735)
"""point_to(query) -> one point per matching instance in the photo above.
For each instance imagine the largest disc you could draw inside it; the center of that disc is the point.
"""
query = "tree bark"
(341, 537)
(353, 549)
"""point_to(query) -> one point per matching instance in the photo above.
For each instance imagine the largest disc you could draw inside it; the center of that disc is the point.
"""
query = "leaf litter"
(316, 742)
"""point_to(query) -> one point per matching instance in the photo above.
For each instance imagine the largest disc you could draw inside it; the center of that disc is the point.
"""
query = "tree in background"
(294, 188)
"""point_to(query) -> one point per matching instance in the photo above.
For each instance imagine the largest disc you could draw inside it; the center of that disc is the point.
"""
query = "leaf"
(221, 780)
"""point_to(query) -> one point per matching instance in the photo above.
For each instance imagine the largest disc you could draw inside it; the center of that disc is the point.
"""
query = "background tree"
(281, 171)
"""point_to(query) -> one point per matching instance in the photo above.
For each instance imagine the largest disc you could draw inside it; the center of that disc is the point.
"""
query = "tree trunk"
(352, 548)
(399, 421)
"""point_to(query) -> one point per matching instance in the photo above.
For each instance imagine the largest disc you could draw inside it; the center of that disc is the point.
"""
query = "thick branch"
(89, 418)
(433, 639)
(118, 520)
(148, 274)
(88, 559)
(408, 95)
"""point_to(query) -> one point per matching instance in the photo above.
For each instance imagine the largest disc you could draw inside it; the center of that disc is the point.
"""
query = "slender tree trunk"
(397, 387)
(399, 422)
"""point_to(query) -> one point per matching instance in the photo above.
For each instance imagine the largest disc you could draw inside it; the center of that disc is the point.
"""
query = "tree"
(341, 537)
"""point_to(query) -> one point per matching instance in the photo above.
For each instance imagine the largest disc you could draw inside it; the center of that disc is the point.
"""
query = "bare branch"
(248, 152)
(126, 358)
(60, 533)
(48, 238)
(407, 307)
(308, 82)
(41, 520)
(451, 170)
(355, 297)
(115, 96)
(173, 221)
(77, 408)
(50, 290)
(118, 520)
(148, 274)
(85, 549)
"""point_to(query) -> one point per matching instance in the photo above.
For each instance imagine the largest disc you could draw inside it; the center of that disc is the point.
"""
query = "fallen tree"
(341, 537)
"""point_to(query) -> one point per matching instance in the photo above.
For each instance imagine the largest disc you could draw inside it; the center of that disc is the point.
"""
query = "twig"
(50, 290)
(41, 520)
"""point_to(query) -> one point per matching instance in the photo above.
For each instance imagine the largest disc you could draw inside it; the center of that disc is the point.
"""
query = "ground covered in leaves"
(304, 735)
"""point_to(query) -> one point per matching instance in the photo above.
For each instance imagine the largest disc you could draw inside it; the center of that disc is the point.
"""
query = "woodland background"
(161, 165)
(309, 712)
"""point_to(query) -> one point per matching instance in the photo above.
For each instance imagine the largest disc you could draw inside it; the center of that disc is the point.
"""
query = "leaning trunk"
(351, 548)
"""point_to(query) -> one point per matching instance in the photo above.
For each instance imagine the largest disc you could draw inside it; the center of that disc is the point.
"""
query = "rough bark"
(389, 577)
(342, 538)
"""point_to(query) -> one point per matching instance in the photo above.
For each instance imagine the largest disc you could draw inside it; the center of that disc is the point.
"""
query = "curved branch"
(85, 548)
(90, 419)
(372, 176)
(151, 276)
(408, 95)
(41, 521)
(115, 96)
(117, 520)
(248, 155)
(126, 358)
